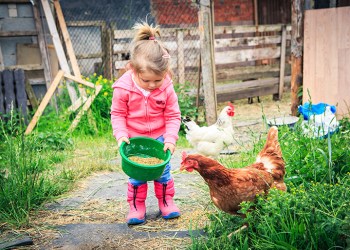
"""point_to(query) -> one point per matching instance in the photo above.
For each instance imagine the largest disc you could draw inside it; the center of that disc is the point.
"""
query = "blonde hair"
(148, 53)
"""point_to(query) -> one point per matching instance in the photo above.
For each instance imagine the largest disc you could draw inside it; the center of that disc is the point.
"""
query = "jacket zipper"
(147, 116)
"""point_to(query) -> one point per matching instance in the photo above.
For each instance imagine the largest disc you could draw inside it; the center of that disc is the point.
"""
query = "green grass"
(313, 214)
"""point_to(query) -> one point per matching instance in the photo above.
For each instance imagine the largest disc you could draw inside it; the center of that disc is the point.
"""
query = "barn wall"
(327, 57)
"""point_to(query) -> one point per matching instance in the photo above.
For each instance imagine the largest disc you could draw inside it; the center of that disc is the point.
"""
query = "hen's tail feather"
(271, 156)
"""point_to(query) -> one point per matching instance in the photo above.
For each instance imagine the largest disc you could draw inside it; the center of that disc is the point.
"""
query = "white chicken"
(211, 140)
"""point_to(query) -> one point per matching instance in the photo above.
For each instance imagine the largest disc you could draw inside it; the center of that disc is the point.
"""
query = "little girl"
(145, 104)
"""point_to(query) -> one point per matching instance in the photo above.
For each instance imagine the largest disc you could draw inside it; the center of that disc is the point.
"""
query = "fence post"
(297, 53)
(180, 56)
(282, 62)
(206, 33)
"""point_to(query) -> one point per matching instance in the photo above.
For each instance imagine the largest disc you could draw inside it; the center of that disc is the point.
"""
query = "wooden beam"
(282, 63)
(15, 1)
(17, 33)
(297, 53)
(79, 80)
(58, 47)
(86, 106)
(207, 57)
(26, 67)
(68, 42)
(2, 65)
(74, 107)
(42, 45)
(31, 95)
(180, 56)
(43, 51)
(44, 102)
(2, 98)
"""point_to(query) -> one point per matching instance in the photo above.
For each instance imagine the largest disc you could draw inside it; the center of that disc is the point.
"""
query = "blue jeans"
(164, 178)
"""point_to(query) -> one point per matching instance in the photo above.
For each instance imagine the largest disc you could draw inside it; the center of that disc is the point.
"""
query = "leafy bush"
(187, 102)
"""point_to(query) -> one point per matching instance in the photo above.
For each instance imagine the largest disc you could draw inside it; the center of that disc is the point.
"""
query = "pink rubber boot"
(165, 193)
(136, 199)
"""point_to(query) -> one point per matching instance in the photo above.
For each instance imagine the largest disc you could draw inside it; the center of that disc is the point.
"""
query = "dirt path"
(93, 216)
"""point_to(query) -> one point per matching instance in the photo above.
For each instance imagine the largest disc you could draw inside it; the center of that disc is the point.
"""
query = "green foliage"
(26, 176)
(314, 212)
(313, 159)
(187, 102)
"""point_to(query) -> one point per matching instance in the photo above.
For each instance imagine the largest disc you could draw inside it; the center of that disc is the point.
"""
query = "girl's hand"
(169, 146)
(123, 139)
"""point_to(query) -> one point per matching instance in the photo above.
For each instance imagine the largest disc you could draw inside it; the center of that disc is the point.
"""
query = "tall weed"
(25, 177)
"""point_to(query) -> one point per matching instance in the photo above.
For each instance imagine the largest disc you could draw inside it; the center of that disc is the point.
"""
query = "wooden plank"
(207, 61)
(42, 47)
(180, 57)
(297, 53)
(327, 53)
(326, 63)
(343, 97)
(67, 39)
(21, 95)
(247, 55)
(79, 80)
(25, 67)
(90, 55)
(9, 91)
(250, 72)
(2, 65)
(58, 46)
(234, 29)
(15, 1)
(44, 102)
(247, 41)
(68, 43)
(75, 106)
(2, 97)
(237, 91)
(107, 58)
(82, 23)
(282, 63)
(17, 33)
(86, 106)
(31, 95)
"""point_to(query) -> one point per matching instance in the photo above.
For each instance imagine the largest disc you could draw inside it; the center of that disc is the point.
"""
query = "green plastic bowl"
(143, 147)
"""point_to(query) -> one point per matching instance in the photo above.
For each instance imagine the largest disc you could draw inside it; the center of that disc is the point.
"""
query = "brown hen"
(229, 187)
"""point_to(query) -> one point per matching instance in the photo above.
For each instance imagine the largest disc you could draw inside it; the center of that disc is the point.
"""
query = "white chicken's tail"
(189, 124)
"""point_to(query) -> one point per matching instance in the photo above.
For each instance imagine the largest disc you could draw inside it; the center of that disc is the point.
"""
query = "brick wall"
(226, 12)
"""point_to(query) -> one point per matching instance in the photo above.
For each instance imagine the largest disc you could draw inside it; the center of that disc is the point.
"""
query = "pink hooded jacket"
(133, 114)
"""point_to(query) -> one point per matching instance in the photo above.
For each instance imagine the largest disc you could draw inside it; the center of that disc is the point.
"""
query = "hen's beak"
(182, 167)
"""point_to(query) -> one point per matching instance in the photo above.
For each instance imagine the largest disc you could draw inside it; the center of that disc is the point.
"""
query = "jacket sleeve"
(118, 114)
(172, 116)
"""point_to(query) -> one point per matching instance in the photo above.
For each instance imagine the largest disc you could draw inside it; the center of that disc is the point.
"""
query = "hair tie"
(152, 38)
(166, 55)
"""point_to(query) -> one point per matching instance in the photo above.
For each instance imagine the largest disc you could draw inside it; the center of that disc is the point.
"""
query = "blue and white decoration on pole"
(319, 119)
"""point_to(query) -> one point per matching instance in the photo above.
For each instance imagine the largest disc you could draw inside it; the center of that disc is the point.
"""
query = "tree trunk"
(297, 54)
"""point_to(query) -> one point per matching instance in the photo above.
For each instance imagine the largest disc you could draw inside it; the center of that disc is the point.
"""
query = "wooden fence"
(13, 92)
(250, 60)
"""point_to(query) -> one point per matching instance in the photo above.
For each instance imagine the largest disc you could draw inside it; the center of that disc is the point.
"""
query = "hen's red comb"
(184, 155)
